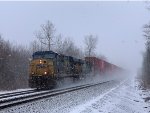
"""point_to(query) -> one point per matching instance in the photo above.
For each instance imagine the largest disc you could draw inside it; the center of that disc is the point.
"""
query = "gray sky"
(117, 24)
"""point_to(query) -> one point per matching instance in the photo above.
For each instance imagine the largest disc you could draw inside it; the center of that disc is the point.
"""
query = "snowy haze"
(117, 24)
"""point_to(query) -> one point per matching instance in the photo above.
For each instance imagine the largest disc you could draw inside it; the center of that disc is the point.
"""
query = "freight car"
(100, 66)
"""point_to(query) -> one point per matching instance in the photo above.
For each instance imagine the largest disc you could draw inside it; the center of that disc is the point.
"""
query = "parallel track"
(40, 95)
(6, 95)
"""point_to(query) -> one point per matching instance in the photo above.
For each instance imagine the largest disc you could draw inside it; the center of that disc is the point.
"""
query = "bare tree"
(90, 44)
(146, 58)
(46, 34)
(35, 46)
(13, 66)
(59, 48)
(67, 47)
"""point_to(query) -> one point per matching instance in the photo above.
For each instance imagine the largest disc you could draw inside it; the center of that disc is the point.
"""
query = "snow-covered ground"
(62, 103)
(112, 97)
(124, 98)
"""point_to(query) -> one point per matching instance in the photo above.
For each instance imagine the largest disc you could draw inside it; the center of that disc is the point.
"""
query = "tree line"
(47, 39)
(145, 73)
(146, 59)
(13, 65)
(15, 59)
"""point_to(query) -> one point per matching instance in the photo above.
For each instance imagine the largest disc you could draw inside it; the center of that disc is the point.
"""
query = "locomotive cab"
(42, 71)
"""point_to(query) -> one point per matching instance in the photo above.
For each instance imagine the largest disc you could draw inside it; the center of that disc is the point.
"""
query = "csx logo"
(40, 66)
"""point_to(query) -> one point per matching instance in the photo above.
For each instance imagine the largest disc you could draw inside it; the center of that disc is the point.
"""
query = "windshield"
(46, 56)
(37, 56)
(49, 56)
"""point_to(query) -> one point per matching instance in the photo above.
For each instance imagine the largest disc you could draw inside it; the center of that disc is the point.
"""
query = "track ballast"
(25, 98)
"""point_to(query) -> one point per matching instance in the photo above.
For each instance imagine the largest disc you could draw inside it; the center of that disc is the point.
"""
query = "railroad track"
(6, 95)
(10, 102)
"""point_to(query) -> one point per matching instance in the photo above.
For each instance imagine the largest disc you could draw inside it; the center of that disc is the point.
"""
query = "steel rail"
(6, 95)
(29, 98)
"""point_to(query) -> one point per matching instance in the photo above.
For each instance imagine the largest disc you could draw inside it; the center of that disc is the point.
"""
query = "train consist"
(47, 68)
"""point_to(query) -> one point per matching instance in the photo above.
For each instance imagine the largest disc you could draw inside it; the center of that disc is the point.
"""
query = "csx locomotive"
(47, 68)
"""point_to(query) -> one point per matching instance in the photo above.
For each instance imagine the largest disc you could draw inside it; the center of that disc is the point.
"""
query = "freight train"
(47, 68)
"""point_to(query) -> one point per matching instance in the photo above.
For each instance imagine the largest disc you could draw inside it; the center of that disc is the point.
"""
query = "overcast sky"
(117, 24)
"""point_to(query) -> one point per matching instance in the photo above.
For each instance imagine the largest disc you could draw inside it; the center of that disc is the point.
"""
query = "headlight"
(45, 72)
(40, 61)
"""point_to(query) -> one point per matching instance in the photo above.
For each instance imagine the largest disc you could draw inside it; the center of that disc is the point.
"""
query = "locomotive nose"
(39, 66)
(41, 69)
